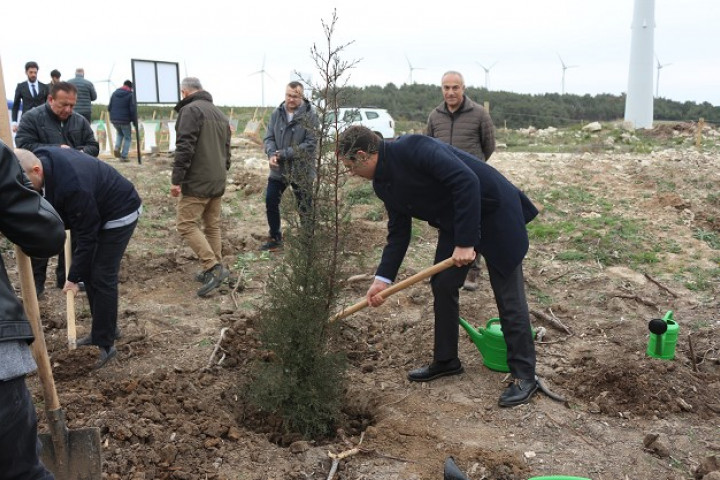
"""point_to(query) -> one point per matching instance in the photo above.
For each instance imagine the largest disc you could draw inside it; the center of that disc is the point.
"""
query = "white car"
(376, 119)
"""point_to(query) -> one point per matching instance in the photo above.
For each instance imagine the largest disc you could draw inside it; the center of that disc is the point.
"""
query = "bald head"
(32, 166)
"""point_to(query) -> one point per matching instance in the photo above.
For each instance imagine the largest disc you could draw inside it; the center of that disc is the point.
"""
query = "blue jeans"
(19, 443)
(123, 138)
(102, 286)
(273, 195)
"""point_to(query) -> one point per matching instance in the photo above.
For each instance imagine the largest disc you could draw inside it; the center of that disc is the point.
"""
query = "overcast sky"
(223, 43)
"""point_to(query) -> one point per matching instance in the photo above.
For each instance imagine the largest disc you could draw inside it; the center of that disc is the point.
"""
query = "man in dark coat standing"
(31, 93)
(101, 209)
(123, 112)
(476, 210)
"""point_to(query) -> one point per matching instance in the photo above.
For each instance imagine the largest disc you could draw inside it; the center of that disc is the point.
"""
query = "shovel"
(69, 454)
(422, 275)
(70, 296)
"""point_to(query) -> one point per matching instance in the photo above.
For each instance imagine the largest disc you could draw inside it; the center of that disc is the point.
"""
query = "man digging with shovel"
(30, 222)
(476, 210)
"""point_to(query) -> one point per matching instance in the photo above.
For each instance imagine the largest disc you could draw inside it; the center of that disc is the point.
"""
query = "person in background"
(466, 125)
(101, 208)
(54, 77)
(290, 144)
(123, 112)
(85, 94)
(199, 174)
(29, 221)
(476, 210)
(30, 93)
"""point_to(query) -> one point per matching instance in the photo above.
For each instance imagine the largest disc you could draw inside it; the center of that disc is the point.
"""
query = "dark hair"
(55, 73)
(357, 138)
(127, 83)
(66, 87)
(30, 65)
(295, 84)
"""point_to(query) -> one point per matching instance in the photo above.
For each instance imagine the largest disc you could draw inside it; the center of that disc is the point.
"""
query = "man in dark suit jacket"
(24, 93)
(476, 210)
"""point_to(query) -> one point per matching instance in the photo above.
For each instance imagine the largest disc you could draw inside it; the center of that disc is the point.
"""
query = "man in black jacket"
(476, 210)
(29, 221)
(56, 123)
(101, 209)
(31, 93)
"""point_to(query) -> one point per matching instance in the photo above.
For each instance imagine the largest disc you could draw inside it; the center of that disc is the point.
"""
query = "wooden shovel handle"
(69, 296)
(39, 349)
(422, 275)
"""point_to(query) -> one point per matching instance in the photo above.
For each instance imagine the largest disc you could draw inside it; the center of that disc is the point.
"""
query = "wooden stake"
(69, 296)
(108, 131)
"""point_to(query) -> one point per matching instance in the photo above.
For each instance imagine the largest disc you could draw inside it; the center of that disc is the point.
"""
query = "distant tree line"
(518, 110)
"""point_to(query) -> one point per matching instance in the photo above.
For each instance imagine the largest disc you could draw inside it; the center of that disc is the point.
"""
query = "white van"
(376, 119)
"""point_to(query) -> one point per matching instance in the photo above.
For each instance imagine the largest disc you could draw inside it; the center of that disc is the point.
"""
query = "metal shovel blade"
(81, 461)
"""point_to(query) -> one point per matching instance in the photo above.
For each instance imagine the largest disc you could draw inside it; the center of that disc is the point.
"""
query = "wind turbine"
(262, 73)
(412, 68)
(657, 81)
(108, 80)
(564, 67)
(487, 72)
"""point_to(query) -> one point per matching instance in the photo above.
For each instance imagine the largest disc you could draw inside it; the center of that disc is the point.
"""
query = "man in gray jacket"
(86, 94)
(202, 159)
(290, 145)
(466, 125)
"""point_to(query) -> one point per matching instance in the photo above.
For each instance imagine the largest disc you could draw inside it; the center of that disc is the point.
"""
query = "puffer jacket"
(469, 128)
(40, 127)
(202, 147)
(86, 94)
(295, 140)
(29, 221)
(122, 108)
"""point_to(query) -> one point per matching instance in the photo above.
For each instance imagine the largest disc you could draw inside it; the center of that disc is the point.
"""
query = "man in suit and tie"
(476, 211)
(31, 93)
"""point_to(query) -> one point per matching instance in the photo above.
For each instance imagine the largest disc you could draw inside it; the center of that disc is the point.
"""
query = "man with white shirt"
(31, 93)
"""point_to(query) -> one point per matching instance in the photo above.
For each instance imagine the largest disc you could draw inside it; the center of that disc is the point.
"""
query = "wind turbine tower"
(564, 67)
(262, 73)
(657, 80)
(410, 66)
(639, 101)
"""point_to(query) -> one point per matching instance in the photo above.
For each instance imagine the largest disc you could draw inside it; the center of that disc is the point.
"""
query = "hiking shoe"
(213, 278)
(272, 245)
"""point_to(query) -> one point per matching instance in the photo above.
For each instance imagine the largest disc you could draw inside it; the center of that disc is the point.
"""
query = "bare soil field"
(164, 414)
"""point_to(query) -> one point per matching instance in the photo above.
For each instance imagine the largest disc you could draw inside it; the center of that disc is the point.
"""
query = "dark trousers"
(273, 195)
(19, 444)
(509, 291)
(102, 286)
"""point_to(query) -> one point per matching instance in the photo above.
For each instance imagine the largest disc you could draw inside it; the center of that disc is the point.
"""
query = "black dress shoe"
(84, 341)
(106, 354)
(518, 392)
(436, 370)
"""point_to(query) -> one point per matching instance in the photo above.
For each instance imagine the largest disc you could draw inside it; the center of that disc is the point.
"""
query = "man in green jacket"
(466, 125)
(202, 159)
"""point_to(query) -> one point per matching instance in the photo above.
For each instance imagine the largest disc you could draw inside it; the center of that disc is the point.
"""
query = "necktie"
(34, 92)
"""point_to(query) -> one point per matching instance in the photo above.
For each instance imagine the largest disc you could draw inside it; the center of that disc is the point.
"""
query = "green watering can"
(663, 337)
(490, 342)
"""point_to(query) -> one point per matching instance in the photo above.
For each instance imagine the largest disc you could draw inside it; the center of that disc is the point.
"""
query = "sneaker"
(272, 245)
(213, 279)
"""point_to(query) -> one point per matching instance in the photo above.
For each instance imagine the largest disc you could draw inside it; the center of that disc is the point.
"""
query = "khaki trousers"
(206, 242)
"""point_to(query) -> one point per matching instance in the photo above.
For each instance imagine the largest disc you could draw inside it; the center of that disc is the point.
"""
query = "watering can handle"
(422, 275)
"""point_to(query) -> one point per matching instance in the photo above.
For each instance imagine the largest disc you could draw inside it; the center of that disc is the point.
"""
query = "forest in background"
(413, 103)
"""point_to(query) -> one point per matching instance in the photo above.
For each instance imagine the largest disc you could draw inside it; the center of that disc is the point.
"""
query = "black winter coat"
(122, 107)
(40, 127)
(29, 221)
